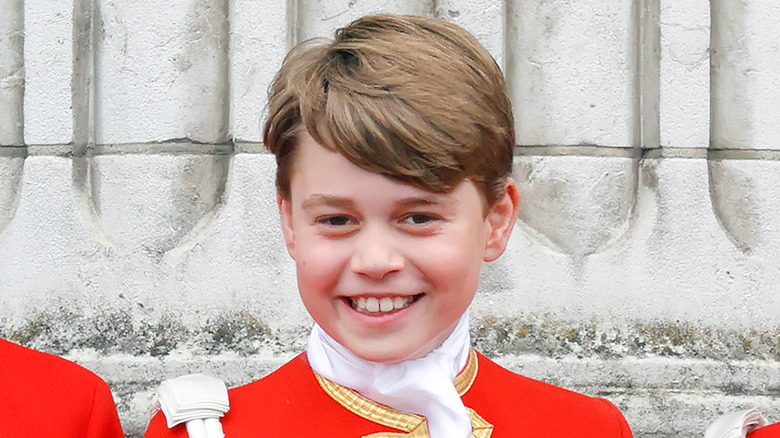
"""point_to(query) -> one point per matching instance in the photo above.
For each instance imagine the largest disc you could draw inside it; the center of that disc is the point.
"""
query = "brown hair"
(418, 100)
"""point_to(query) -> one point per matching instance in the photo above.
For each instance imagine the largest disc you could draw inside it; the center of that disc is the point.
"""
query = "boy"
(394, 150)
(46, 396)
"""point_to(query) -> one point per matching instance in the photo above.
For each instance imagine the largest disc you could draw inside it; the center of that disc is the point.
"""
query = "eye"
(420, 218)
(335, 221)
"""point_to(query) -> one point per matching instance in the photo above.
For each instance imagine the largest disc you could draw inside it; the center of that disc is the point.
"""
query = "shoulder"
(540, 408)
(286, 397)
(771, 431)
(26, 369)
(42, 385)
(291, 384)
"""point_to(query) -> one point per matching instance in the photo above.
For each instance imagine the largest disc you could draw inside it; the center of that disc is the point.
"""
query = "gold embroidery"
(413, 426)
(479, 429)
(369, 409)
(465, 379)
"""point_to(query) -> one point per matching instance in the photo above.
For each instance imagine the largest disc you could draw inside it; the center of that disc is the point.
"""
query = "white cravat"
(422, 386)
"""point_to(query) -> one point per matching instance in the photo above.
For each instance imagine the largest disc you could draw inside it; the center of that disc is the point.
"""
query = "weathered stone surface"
(10, 175)
(48, 72)
(11, 72)
(674, 263)
(151, 203)
(579, 204)
(54, 254)
(684, 73)
(571, 71)
(319, 18)
(746, 202)
(259, 39)
(745, 77)
(163, 66)
(483, 18)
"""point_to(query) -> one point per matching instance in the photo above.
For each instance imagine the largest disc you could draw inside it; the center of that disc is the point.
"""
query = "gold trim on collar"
(414, 426)
(465, 378)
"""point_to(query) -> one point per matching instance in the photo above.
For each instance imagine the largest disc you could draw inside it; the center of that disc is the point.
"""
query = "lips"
(381, 305)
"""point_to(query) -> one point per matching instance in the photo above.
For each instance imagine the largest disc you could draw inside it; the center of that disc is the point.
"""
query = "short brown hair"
(416, 99)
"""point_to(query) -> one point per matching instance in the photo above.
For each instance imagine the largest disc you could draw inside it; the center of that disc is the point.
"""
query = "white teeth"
(380, 305)
(372, 304)
(386, 304)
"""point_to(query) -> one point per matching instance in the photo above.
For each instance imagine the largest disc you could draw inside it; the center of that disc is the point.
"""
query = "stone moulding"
(580, 204)
(11, 168)
(745, 202)
(155, 202)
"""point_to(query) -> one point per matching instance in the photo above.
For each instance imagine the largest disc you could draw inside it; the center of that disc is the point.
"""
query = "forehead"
(322, 178)
(317, 169)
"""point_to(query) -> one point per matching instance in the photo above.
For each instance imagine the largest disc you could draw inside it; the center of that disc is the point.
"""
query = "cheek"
(318, 268)
(455, 268)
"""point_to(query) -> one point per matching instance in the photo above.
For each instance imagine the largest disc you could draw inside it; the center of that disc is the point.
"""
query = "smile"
(381, 305)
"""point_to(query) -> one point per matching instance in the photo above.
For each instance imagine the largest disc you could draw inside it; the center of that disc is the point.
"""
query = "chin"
(382, 356)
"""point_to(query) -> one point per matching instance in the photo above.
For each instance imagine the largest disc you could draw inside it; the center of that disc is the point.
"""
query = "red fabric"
(771, 431)
(42, 395)
(290, 403)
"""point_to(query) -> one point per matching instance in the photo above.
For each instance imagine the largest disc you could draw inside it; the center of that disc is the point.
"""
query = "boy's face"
(383, 267)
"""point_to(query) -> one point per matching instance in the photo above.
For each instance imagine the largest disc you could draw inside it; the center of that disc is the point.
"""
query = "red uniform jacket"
(293, 402)
(46, 396)
(771, 431)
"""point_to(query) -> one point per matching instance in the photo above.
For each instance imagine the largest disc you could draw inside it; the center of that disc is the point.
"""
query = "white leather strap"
(735, 424)
(197, 400)
(208, 428)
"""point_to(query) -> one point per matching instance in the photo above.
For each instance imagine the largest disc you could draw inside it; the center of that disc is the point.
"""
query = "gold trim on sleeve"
(413, 426)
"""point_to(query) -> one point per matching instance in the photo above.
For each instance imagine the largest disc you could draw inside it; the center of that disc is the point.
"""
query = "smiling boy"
(394, 154)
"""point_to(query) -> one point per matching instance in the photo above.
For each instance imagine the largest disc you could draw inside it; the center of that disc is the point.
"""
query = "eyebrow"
(338, 201)
(420, 200)
(326, 200)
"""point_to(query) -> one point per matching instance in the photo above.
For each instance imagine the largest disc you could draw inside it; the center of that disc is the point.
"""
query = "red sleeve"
(622, 429)
(103, 418)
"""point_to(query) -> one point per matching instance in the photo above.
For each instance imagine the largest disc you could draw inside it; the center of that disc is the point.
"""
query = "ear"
(500, 219)
(285, 216)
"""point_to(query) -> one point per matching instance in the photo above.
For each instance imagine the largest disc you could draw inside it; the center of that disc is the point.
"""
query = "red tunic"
(42, 395)
(291, 402)
(771, 431)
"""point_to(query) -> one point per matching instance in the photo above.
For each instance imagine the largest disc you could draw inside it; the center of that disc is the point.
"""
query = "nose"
(376, 255)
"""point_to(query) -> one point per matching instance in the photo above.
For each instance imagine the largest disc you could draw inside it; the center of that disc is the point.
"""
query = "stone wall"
(139, 234)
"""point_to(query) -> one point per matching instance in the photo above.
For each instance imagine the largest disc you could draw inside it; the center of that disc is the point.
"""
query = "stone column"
(745, 150)
(162, 88)
(572, 75)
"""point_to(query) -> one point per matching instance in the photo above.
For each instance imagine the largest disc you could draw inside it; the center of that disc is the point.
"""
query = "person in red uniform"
(394, 147)
(42, 395)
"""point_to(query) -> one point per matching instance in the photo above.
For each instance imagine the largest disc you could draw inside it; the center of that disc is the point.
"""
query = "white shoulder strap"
(195, 399)
(735, 424)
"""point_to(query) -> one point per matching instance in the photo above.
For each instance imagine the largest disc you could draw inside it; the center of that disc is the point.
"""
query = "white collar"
(422, 386)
